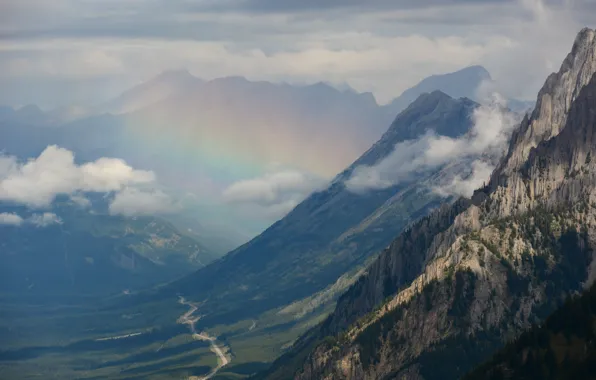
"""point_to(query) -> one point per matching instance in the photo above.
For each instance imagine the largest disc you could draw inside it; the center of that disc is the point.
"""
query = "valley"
(267, 191)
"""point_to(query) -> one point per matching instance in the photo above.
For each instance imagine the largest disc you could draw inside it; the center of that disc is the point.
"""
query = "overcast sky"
(62, 51)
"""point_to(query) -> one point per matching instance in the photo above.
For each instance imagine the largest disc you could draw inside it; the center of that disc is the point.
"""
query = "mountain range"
(457, 285)
(178, 126)
(289, 277)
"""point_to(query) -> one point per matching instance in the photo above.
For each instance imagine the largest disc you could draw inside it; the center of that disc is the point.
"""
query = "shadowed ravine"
(190, 320)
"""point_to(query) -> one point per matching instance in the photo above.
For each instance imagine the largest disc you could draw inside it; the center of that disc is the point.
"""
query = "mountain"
(463, 83)
(310, 242)
(458, 284)
(563, 347)
(72, 251)
(260, 296)
(153, 91)
(290, 125)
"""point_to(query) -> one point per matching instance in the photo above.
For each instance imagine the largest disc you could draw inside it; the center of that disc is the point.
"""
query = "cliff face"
(553, 104)
(458, 283)
(564, 347)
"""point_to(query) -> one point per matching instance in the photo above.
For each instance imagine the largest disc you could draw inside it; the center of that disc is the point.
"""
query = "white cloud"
(269, 188)
(38, 220)
(44, 220)
(37, 182)
(464, 185)
(492, 125)
(273, 194)
(80, 200)
(134, 202)
(10, 219)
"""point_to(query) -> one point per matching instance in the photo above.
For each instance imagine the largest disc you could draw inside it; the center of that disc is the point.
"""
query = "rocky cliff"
(563, 347)
(457, 284)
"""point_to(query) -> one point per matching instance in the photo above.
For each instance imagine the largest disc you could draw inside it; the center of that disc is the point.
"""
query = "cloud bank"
(492, 125)
(38, 220)
(37, 182)
(44, 220)
(135, 202)
(273, 194)
(10, 219)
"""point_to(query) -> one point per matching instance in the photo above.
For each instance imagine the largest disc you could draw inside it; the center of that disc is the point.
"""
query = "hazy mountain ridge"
(463, 83)
(521, 246)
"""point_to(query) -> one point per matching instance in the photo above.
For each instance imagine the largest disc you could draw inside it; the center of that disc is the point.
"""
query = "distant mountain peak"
(463, 83)
(175, 75)
(476, 69)
(436, 95)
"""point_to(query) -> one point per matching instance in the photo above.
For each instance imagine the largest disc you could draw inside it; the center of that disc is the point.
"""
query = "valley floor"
(74, 341)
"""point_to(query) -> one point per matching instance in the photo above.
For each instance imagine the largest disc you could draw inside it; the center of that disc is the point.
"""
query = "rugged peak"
(430, 98)
(584, 38)
(553, 103)
(182, 74)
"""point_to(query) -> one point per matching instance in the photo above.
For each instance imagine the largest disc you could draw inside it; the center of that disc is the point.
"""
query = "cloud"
(273, 194)
(80, 200)
(136, 202)
(488, 137)
(44, 220)
(37, 182)
(10, 219)
(464, 185)
(38, 220)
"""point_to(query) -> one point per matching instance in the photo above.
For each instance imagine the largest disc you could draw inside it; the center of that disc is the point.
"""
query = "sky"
(85, 52)
(93, 49)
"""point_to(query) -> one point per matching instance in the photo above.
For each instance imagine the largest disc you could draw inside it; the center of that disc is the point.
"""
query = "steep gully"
(190, 320)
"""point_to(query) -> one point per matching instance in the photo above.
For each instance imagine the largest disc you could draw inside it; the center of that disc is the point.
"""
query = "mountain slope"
(260, 297)
(73, 251)
(563, 347)
(153, 91)
(510, 256)
(303, 253)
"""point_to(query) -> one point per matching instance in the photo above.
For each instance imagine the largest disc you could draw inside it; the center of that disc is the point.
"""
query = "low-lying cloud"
(37, 182)
(44, 220)
(137, 202)
(274, 194)
(38, 220)
(492, 125)
(465, 184)
(10, 219)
